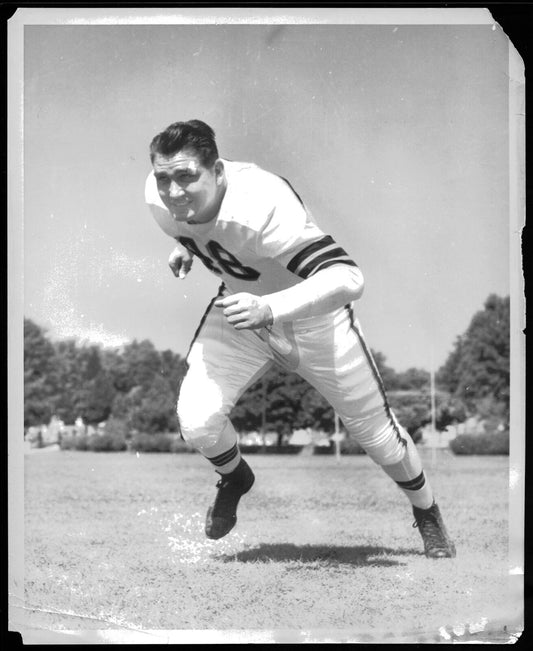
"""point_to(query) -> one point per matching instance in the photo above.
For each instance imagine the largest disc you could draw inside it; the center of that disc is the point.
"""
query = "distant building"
(441, 439)
(309, 436)
(41, 436)
(256, 438)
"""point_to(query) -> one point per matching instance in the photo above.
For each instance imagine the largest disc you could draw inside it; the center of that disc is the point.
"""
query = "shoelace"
(428, 524)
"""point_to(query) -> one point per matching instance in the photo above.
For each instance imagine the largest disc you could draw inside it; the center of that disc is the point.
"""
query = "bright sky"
(395, 136)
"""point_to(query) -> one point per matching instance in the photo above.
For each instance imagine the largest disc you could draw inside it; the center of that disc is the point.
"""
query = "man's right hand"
(180, 262)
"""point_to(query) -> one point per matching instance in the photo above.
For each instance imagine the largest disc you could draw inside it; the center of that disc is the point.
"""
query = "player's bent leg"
(410, 477)
(391, 447)
(356, 392)
(394, 450)
(200, 431)
(209, 431)
(408, 473)
(221, 365)
(222, 514)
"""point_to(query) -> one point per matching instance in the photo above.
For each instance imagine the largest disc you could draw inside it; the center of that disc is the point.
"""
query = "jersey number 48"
(223, 258)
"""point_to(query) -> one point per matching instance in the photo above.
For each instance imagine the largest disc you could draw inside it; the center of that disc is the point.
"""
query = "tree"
(137, 383)
(151, 408)
(449, 411)
(86, 386)
(412, 408)
(316, 412)
(448, 375)
(137, 364)
(40, 376)
(477, 372)
(253, 411)
(67, 406)
(284, 401)
(172, 368)
(413, 379)
(146, 384)
(96, 399)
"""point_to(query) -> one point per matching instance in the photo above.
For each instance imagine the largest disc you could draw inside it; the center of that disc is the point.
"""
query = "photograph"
(266, 320)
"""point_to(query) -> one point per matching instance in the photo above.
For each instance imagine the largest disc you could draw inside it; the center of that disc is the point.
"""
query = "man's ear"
(219, 171)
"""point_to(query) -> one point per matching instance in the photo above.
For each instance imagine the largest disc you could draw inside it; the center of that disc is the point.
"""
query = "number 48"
(224, 258)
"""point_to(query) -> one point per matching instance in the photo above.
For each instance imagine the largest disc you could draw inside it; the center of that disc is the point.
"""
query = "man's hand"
(180, 261)
(246, 311)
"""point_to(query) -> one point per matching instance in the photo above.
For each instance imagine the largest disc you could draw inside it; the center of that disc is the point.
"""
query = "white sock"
(226, 461)
(225, 454)
(409, 475)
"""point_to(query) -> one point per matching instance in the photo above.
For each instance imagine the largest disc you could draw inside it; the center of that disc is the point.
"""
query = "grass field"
(323, 551)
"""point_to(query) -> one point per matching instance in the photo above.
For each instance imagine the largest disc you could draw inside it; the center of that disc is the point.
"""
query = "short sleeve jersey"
(263, 239)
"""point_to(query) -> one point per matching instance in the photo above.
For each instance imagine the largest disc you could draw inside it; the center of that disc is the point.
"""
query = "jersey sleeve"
(294, 240)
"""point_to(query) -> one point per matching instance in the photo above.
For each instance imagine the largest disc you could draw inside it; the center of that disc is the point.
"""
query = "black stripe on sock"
(413, 484)
(376, 374)
(225, 457)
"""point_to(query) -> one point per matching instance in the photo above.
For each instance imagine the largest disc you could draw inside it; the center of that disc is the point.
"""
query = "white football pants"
(328, 351)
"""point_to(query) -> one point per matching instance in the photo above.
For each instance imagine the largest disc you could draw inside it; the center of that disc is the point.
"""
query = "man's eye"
(162, 180)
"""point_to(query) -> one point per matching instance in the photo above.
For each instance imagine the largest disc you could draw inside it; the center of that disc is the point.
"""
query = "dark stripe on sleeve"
(225, 457)
(332, 255)
(377, 376)
(414, 484)
(327, 240)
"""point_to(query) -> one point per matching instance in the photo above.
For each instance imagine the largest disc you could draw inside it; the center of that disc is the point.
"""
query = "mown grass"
(116, 541)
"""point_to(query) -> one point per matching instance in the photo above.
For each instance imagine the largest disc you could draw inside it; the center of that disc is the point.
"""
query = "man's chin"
(182, 217)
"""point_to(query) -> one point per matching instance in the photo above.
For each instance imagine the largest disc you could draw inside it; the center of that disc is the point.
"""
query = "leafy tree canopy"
(477, 371)
(138, 384)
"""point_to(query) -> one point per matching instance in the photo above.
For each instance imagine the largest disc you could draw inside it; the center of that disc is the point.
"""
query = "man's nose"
(175, 190)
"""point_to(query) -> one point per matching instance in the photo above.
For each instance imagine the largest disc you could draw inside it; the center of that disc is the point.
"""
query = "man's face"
(190, 191)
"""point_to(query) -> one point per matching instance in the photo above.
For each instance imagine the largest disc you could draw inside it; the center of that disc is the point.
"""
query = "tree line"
(137, 384)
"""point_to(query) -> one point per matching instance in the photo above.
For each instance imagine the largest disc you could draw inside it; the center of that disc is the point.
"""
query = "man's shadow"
(332, 554)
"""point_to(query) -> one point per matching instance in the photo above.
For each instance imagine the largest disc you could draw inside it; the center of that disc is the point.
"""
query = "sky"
(395, 136)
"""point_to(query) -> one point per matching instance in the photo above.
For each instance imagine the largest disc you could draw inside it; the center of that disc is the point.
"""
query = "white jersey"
(263, 239)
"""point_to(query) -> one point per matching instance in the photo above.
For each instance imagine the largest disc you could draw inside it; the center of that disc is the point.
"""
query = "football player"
(286, 297)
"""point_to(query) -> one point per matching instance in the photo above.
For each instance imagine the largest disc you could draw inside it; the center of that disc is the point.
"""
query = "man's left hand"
(246, 311)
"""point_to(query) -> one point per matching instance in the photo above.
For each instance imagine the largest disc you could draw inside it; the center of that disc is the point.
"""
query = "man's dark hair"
(193, 134)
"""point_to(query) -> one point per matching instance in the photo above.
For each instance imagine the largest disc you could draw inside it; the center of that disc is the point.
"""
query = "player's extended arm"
(326, 290)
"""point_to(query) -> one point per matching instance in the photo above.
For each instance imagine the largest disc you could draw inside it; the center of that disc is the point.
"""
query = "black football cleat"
(437, 543)
(222, 514)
